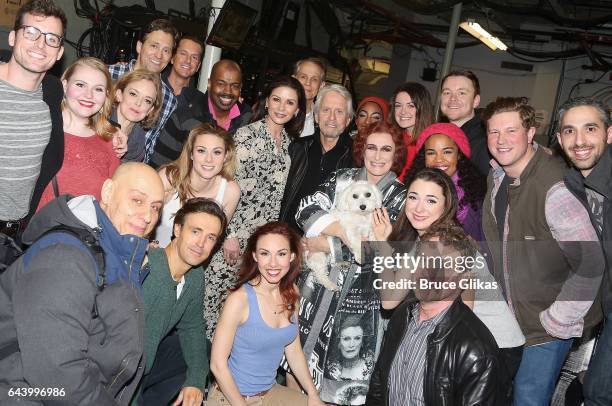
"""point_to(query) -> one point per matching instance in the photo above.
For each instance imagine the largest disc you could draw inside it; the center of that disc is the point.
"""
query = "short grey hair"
(602, 109)
(317, 61)
(340, 90)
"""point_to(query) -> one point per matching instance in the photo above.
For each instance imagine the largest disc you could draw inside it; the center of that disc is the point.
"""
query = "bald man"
(219, 106)
(71, 321)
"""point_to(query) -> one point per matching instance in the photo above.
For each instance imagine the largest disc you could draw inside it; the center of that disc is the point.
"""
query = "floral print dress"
(262, 170)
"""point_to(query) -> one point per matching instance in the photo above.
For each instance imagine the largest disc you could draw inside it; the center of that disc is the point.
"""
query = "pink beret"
(450, 130)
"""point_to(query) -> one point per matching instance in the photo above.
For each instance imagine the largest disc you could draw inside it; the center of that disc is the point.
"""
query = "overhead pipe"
(545, 13)
(450, 49)
(212, 54)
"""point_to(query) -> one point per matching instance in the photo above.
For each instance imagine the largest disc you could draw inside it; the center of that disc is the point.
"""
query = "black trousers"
(510, 360)
(165, 380)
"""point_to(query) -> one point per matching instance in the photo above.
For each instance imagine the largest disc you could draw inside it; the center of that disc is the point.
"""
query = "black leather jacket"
(462, 362)
(299, 151)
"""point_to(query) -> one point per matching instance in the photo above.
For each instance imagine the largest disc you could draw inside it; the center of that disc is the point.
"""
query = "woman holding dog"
(380, 153)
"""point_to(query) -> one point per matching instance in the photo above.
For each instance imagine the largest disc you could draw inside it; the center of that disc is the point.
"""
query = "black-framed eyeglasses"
(32, 34)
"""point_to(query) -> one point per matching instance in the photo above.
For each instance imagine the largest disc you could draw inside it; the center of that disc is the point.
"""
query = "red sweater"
(88, 162)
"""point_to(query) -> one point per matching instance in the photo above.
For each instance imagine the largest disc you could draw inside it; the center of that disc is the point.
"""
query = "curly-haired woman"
(446, 147)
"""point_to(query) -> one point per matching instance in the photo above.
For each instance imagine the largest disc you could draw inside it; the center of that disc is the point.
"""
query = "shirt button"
(125, 262)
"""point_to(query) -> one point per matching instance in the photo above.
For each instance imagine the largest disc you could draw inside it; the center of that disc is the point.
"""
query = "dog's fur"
(354, 209)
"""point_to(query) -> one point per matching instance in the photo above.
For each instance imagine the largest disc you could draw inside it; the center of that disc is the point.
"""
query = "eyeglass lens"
(32, 34)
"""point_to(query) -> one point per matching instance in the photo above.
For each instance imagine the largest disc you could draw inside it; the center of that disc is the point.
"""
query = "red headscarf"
(382, 103)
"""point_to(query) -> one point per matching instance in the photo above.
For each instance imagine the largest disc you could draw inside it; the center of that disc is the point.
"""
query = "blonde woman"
(90, 153)
(205, 168)
(136, 106)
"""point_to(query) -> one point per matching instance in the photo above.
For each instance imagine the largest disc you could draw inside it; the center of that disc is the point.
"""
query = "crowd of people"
(154, 239)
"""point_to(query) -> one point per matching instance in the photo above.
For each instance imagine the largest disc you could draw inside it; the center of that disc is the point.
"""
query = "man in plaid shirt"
(546, 252)
(154, 53)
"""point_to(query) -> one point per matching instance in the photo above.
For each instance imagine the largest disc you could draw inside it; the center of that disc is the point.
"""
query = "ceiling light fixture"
(477, 31)
(375, 65)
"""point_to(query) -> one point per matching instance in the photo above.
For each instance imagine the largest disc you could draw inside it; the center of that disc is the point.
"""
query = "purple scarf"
(462, 209)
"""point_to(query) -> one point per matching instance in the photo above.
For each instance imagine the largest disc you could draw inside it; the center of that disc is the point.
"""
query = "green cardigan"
(163, 313)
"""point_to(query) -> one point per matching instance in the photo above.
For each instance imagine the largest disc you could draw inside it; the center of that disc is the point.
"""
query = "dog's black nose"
(363, 207)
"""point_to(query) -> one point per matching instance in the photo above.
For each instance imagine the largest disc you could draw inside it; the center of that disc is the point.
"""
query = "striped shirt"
(168, 106)
(25, 130)
(408, 368)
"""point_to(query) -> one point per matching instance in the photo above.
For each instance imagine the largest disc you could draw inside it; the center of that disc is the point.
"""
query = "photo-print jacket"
(323, 312)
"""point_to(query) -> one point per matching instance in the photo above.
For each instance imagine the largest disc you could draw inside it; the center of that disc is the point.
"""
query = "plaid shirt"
(168, 106)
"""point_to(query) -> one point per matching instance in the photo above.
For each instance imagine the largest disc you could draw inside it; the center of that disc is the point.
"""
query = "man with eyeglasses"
(31, 134)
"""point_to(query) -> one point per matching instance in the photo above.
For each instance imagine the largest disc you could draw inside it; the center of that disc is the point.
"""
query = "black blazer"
(53, 156)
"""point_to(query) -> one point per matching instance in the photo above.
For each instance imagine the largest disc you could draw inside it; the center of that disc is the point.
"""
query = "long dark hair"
(446, 224)
(249, 269)
(296, 124)
(424, 107)
(470, 180)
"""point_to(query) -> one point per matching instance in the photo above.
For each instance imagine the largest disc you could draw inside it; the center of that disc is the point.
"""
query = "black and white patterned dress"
(261, 173)
(356, 298)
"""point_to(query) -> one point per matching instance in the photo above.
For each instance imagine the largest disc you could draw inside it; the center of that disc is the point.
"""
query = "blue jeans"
(598, 381)
(535, 381)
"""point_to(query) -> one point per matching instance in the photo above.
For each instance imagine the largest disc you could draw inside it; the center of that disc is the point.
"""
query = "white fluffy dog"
(353, 210)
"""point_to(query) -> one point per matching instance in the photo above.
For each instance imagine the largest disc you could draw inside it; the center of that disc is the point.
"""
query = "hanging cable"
(585, 82)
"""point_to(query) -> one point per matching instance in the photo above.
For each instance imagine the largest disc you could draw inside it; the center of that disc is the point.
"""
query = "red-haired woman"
(379, 153)
(259, 323)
